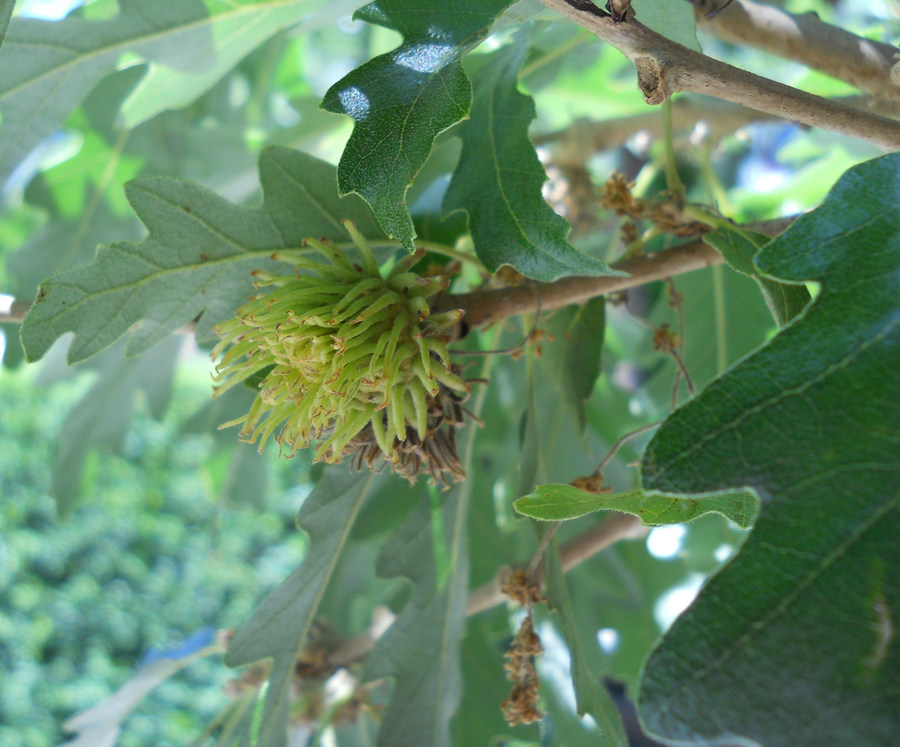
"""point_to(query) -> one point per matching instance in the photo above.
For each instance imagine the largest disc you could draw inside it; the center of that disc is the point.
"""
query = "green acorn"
(348, 357)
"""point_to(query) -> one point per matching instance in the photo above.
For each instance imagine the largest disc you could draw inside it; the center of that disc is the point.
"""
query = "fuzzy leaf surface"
(785, 300)
(278, 628)
(421, 649)
(498, 181)
(562, 502)
(196, 261)
(48, 67)
(792, 643)
(400, 101)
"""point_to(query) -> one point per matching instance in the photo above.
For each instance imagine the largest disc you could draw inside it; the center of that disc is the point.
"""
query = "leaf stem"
(673, 181)
(621, 442)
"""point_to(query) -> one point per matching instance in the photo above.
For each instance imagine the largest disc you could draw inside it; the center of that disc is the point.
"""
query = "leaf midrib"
(81, 58)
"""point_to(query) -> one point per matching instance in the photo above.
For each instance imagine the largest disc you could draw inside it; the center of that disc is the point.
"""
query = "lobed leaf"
(498, 181)
(563, 502)
(278, 628)
(196, 262)
(102, 417)
(792, 643)
(421, 649)
(48, 67)
(400, 101)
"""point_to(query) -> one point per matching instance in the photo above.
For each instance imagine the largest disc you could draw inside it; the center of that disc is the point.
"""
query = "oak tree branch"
(869, 65)
(488, 306)
(665, 68)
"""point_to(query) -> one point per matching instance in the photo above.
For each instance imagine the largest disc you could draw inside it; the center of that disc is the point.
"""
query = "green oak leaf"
(6, 9)
(793, 643)
(102, 417)
(498, 181)
(196, 261)
(739, 247)
(673, 19)
(237, 29)
(400, 101)
(562, 502)
(48, 67)
(421, 649)
(278, 628)
(591, 696)
(583, 337)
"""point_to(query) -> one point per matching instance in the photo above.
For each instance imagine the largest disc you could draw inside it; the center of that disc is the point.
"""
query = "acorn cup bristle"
(353, 359)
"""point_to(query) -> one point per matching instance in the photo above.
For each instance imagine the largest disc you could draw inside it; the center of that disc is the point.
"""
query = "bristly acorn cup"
(350, 357)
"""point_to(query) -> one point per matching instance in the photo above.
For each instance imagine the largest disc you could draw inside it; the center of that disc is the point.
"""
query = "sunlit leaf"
(401, 100)
(236, 29)
(48, 67)
(790, 643)
(673, 19)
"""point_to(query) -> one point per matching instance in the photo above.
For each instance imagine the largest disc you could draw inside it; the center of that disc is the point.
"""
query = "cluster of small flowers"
(349, 357)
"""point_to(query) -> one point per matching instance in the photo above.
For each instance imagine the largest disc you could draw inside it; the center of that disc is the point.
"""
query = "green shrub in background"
(148, 561)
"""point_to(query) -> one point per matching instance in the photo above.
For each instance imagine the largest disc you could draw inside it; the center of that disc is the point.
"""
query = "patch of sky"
(666, 542)
(608, 638)
(676, 600)
(49, 10)
(761, 170)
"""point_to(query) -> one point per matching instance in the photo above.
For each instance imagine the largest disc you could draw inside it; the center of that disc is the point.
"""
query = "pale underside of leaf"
(195, 264)
(563, 502)
(48, 67)
(422, 647)
(278, 628)
(591, 696)
(236, 33)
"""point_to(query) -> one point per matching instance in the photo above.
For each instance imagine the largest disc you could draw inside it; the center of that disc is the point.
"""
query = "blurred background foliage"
(176, 528)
